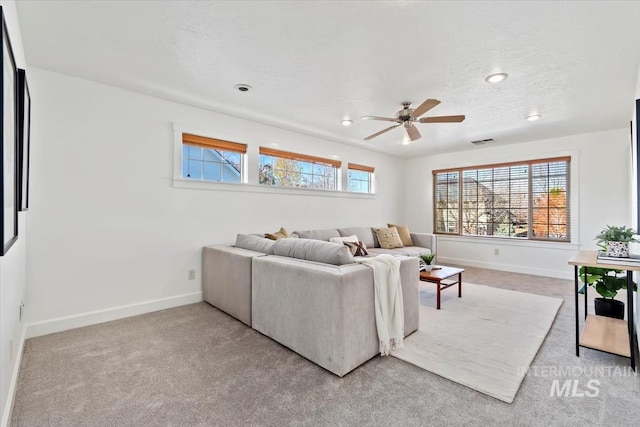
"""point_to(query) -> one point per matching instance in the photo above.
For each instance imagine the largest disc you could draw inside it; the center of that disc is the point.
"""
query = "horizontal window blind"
(212, 143)
(296, 156)
(527, 200)
(363, 168)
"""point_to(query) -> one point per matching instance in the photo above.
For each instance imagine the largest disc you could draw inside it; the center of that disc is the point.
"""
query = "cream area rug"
(485, 340)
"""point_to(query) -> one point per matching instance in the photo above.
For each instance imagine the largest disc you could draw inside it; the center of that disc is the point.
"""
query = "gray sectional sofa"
(309, 294)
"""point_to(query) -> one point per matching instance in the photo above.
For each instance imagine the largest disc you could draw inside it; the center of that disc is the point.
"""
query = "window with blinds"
(211, 159)
(524, 200)
(286, 169)
(359, 178)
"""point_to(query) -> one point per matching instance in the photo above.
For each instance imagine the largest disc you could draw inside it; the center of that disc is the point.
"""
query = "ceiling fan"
(408, 116)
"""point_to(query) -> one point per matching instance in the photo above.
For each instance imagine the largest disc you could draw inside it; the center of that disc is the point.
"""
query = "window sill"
(253, 188)
(505, 241)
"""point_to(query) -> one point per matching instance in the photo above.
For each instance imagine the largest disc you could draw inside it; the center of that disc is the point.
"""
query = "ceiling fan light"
(496, 78)
(533, 117)
(347, 122)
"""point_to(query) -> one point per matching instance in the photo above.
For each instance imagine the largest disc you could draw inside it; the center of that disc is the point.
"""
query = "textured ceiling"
(313, 63)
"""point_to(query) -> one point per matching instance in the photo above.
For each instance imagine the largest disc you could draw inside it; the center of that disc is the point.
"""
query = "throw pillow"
(403, 231)
(280, 234)
(357, 248)
(348, 239)
(389, 238)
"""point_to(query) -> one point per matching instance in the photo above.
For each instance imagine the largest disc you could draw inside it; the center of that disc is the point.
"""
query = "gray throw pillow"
(255, 243)
(313, 250)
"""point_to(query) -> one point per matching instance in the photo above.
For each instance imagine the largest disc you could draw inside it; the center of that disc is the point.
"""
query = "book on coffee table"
(632, 259)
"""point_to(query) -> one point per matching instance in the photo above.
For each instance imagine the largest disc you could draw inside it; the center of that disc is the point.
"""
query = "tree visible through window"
(518, 200)
(285, 169)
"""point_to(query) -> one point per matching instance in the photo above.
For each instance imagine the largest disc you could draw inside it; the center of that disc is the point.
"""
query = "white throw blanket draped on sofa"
(388, 301)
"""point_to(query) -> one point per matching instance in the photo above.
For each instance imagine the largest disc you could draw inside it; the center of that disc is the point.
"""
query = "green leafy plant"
(427, 258)
(606, 281)
(611, 233)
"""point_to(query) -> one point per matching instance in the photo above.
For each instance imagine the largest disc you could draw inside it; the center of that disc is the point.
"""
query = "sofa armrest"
(323, 312)
(226, 279)
(426, 240)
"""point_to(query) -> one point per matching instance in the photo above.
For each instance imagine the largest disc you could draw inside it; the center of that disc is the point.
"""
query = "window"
(285, 169)
(360, 178)
(211, 159)
(526, 200)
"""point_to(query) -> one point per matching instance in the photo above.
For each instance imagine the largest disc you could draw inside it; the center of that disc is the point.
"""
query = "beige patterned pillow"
(404, 233)
(389, 238)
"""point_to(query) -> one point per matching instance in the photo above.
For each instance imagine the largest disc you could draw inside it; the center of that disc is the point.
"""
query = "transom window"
(285, 169)
(211, 159)
(525, 200)
(360, 178)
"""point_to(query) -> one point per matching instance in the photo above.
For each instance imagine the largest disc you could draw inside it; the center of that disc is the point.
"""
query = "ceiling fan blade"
(413, 133)
(381, 132)
(424, 107)
(386, 119)
(443, 119)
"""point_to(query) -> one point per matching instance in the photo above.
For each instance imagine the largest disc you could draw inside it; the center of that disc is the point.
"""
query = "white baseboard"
(8, 408)
(60, 324)
(558, 274)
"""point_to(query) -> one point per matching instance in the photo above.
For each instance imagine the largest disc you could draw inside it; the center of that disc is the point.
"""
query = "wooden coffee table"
(441, 273)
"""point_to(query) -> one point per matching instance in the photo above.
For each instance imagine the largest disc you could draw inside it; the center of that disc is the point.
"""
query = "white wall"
(12, 267)
(600, 186)
(108, 229)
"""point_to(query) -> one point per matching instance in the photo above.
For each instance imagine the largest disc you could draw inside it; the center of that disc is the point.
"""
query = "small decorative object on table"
(615, 240)
(426, 260)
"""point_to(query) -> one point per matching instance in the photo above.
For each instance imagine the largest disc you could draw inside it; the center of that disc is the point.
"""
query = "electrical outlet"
(192, 274)
(496, 251)
(10, 349)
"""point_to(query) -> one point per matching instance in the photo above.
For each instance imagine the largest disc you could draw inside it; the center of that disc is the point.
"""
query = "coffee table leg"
(460, 285)
(438, 295)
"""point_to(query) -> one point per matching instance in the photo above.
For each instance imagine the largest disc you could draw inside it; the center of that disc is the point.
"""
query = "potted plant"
(427, 259)
(615, 240)
(607, 283)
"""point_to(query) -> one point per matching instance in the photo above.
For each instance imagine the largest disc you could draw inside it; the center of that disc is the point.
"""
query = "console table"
(601, 333)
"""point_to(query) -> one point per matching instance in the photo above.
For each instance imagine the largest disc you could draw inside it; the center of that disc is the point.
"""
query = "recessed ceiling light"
(406, 141)
(335, 156)
(533, 117)
(346, 122)
(243, 87)
(495, 78)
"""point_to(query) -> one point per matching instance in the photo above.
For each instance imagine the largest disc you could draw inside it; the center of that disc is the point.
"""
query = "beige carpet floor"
(485, 340)
(196, 366)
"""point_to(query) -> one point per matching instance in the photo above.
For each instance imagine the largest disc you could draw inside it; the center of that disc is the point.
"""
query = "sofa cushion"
(313, 250)
(389, 238)
(255, 243)
(403, 232)
(318, 234)
(413, 251)
(365, 234)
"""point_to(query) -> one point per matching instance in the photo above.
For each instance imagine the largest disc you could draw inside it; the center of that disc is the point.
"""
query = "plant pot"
(618, 249)
(428, 267)
(609, 308)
